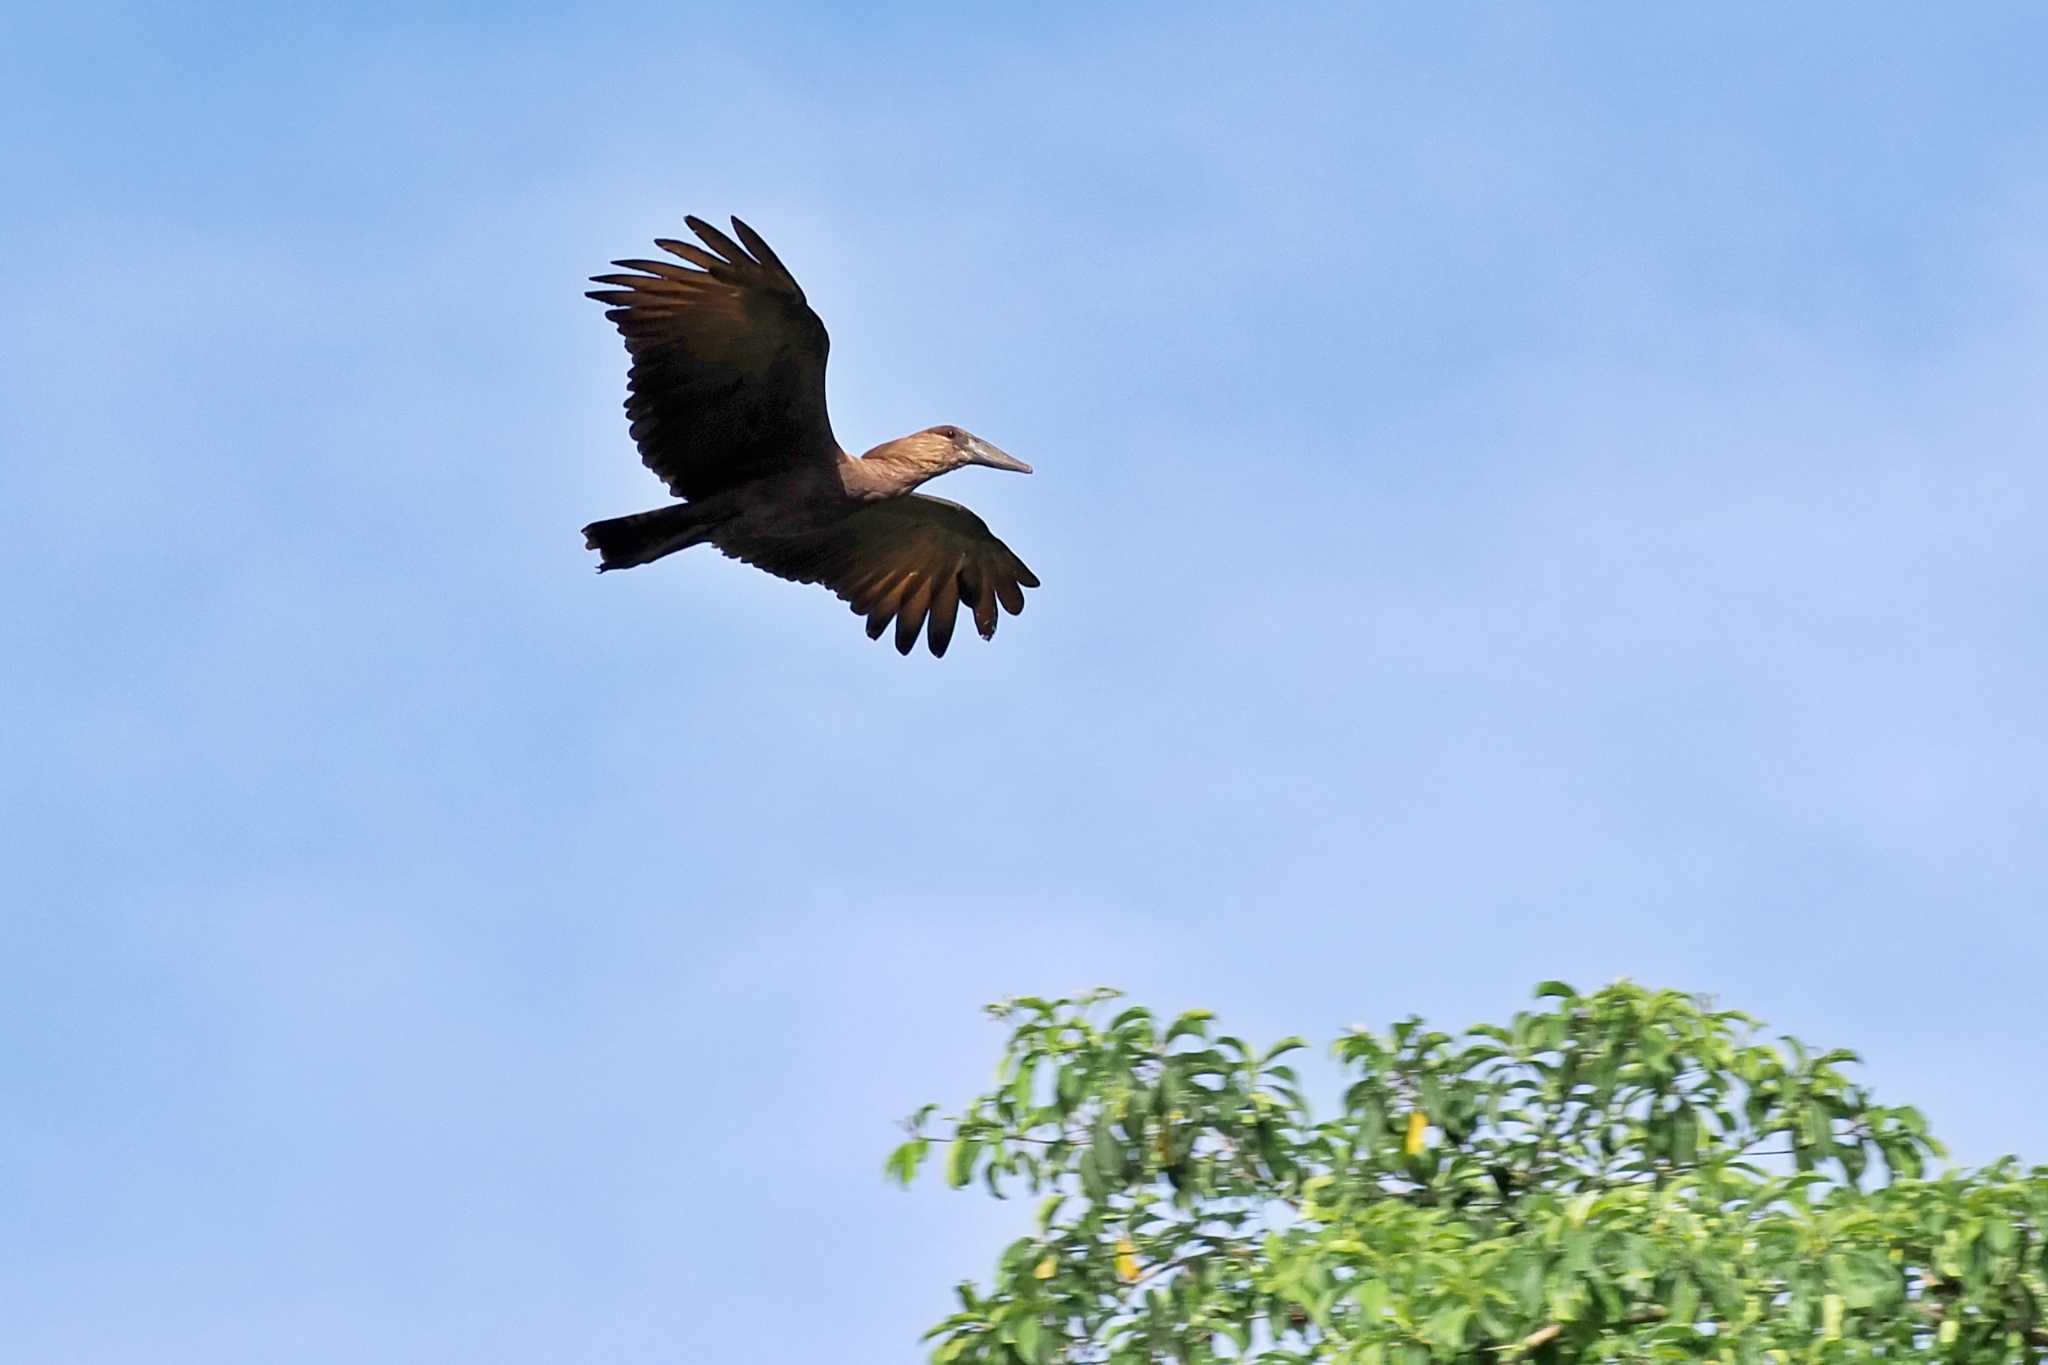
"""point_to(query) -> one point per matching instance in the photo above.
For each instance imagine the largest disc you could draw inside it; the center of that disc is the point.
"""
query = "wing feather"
(719, 242)
(913, 560)
(763, 253)
(727, 381)
(945, 609)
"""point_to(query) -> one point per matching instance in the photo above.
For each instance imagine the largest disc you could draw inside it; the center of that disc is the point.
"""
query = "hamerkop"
(727, 404)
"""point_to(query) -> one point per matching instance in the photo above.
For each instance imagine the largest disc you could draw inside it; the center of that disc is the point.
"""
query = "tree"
(1629, 1175)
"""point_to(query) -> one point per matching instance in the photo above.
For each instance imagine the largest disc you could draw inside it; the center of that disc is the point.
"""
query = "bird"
(726, 402)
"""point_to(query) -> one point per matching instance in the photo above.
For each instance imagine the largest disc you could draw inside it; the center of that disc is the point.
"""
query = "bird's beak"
(981, 452)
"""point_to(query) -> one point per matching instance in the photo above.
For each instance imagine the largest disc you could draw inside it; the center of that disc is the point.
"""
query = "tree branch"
(1550, 1332)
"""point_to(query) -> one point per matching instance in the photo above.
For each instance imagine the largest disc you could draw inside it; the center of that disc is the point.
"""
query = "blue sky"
(1522, 492)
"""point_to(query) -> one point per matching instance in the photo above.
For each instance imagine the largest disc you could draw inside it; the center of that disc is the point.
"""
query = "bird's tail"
(646, 536)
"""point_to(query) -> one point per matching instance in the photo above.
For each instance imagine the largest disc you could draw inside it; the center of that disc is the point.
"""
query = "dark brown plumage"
(727, 405)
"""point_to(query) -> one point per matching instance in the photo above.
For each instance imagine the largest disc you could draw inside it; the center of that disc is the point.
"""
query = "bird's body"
(727, 405)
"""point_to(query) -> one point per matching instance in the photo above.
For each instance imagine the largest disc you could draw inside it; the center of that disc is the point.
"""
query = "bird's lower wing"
(914, 560)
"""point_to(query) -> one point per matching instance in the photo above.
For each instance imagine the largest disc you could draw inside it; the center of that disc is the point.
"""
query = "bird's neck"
(883, 473)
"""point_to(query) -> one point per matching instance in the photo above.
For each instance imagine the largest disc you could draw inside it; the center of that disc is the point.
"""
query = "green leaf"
(1683, 1301)
(1372, 1119)
(1283, 1047)
(1093, 1186)
(1685, 1137)
(1022, 1087)
(1031, 1340)
(904, 1161)
(1446, 1329)
(960, 1164)
(1529, 1288)
(1108, 1152)
(1067, 1090)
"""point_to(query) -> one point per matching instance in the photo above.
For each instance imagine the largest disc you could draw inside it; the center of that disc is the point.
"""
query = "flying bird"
(726, 396)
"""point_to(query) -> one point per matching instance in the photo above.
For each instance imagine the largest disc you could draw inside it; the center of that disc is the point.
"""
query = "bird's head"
(895, 467)
(951, 447)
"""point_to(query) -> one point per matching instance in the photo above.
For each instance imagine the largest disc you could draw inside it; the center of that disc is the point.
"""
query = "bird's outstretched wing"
(728, 376)
(908, 559)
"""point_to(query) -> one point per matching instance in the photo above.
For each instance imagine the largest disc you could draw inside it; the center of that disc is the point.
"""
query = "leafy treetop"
(1627, 1175)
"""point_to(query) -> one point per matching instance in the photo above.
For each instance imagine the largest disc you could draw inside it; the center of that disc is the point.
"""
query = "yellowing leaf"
(1044, 1269)
(1418, 1128)
(1126, 1260)
(1831, 1318)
